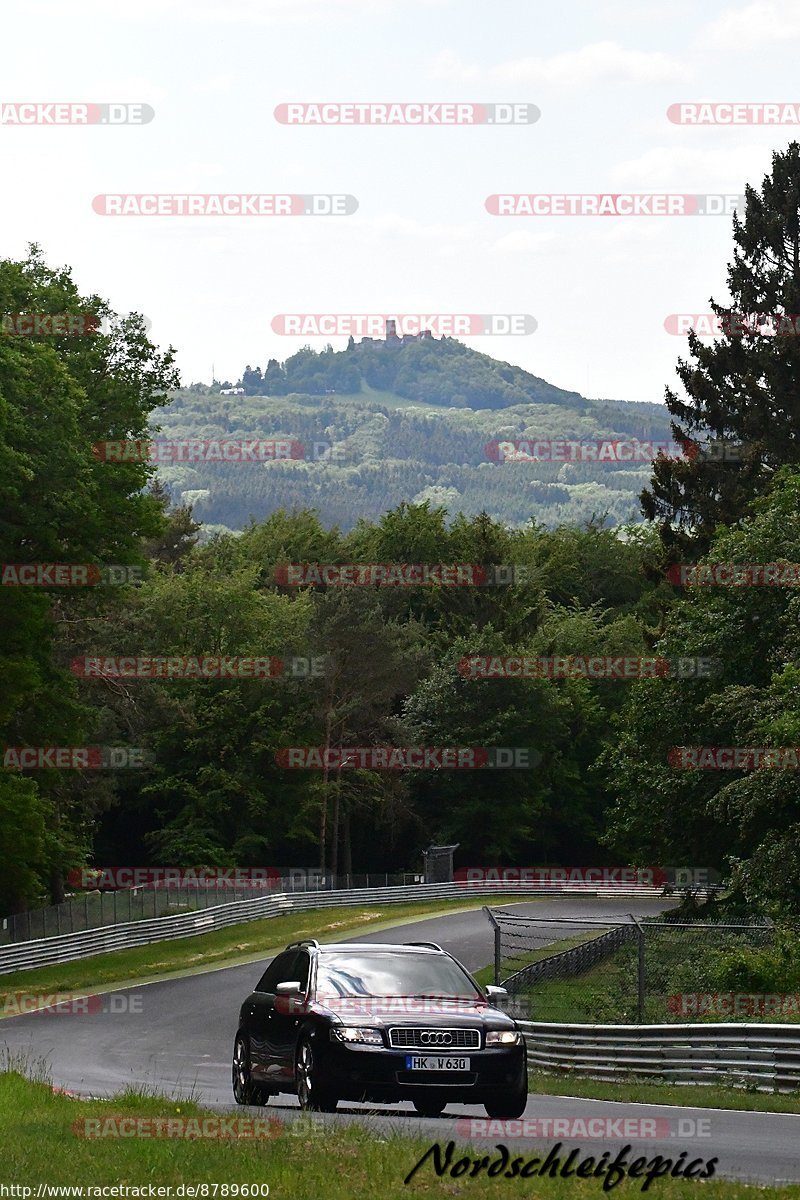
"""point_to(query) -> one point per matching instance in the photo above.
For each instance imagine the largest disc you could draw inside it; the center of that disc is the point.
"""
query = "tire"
(312, 1097)
(507, 1106)
(430, 1106)
(244, 1090)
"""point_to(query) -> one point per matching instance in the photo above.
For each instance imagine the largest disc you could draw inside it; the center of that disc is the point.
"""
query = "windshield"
(388, 975)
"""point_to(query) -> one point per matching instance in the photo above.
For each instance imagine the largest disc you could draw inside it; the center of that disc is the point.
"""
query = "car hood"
(406, 1010)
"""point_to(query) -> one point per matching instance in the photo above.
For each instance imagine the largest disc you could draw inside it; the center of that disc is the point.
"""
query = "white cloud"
(248, 12)
(691, 169)
(601, 62)
(630, 12)
(213, 87)
(763, 22)
(522, 241)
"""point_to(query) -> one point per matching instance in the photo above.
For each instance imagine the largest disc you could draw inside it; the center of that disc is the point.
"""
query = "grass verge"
(249, 942)
(511, 966)
(653, 1091)
(43, 1144)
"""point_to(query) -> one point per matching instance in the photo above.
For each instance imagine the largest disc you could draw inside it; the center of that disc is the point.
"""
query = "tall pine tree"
(742, 389)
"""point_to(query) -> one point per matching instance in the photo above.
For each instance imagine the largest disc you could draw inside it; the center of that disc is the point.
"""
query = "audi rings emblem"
(435, 1038)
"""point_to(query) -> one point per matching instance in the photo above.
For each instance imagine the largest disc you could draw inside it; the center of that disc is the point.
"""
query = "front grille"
(435, 1040)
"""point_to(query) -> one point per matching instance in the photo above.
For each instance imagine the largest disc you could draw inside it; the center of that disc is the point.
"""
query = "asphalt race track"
(180, 1039)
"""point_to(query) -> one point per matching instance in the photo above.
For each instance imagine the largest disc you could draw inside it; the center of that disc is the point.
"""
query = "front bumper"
(357, 1072)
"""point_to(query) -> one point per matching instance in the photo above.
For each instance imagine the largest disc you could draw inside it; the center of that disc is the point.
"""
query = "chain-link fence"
(93, 909)
(622, 970)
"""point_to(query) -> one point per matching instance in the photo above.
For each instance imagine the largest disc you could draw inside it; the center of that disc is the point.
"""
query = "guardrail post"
(640, 971)
(496, 927)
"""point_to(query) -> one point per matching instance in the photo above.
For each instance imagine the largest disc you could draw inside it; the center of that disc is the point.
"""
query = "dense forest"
(606, 784)
(363, 454)
(439, 371)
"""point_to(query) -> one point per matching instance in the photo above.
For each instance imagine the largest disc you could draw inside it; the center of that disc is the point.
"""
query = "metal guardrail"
(765, 1056)
(84, 944)
(572, 962)
(91, 907)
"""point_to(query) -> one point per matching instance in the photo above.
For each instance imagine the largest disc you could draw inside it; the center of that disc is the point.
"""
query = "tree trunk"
(335, 829)
(347, 845)
(57, 895)
(323, 820)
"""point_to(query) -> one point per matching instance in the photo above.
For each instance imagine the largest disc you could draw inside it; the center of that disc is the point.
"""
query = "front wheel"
(312, 1097)
(244, 1090)
(507, 1106)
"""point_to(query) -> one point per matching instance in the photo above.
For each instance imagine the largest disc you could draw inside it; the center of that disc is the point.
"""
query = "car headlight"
(503, 1037)
(350, 1033)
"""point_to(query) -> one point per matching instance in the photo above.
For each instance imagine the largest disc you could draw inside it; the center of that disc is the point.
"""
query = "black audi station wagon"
(379, 1023)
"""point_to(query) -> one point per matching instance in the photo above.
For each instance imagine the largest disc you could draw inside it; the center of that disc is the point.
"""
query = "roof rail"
(430, 945)
(304, 942)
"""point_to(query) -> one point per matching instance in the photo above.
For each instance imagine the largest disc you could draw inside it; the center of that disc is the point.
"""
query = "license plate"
(430, 1062)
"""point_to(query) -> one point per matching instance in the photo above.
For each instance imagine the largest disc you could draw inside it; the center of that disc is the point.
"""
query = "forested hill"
(435, 371)
(383, 425)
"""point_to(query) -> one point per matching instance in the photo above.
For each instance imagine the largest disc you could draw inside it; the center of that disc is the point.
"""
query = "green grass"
(650, 1091)
(249, 942)
(94, 910)
(606, 993)
(511, 966)
(41, 1144)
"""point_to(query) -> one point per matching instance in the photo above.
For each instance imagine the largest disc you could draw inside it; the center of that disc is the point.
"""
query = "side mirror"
(492, 990)
(295, 988)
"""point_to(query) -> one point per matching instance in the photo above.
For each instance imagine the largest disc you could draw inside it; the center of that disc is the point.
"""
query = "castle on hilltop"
(392, 337)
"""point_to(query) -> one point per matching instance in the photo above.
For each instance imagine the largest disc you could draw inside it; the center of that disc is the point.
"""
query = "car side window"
(301, 968)
(276, 972)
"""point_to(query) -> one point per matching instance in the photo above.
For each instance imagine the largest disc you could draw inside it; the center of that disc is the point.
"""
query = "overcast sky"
(602, 72)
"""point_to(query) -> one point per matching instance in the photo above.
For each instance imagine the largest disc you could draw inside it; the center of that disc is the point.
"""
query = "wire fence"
(95, 909)
(621, 970)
